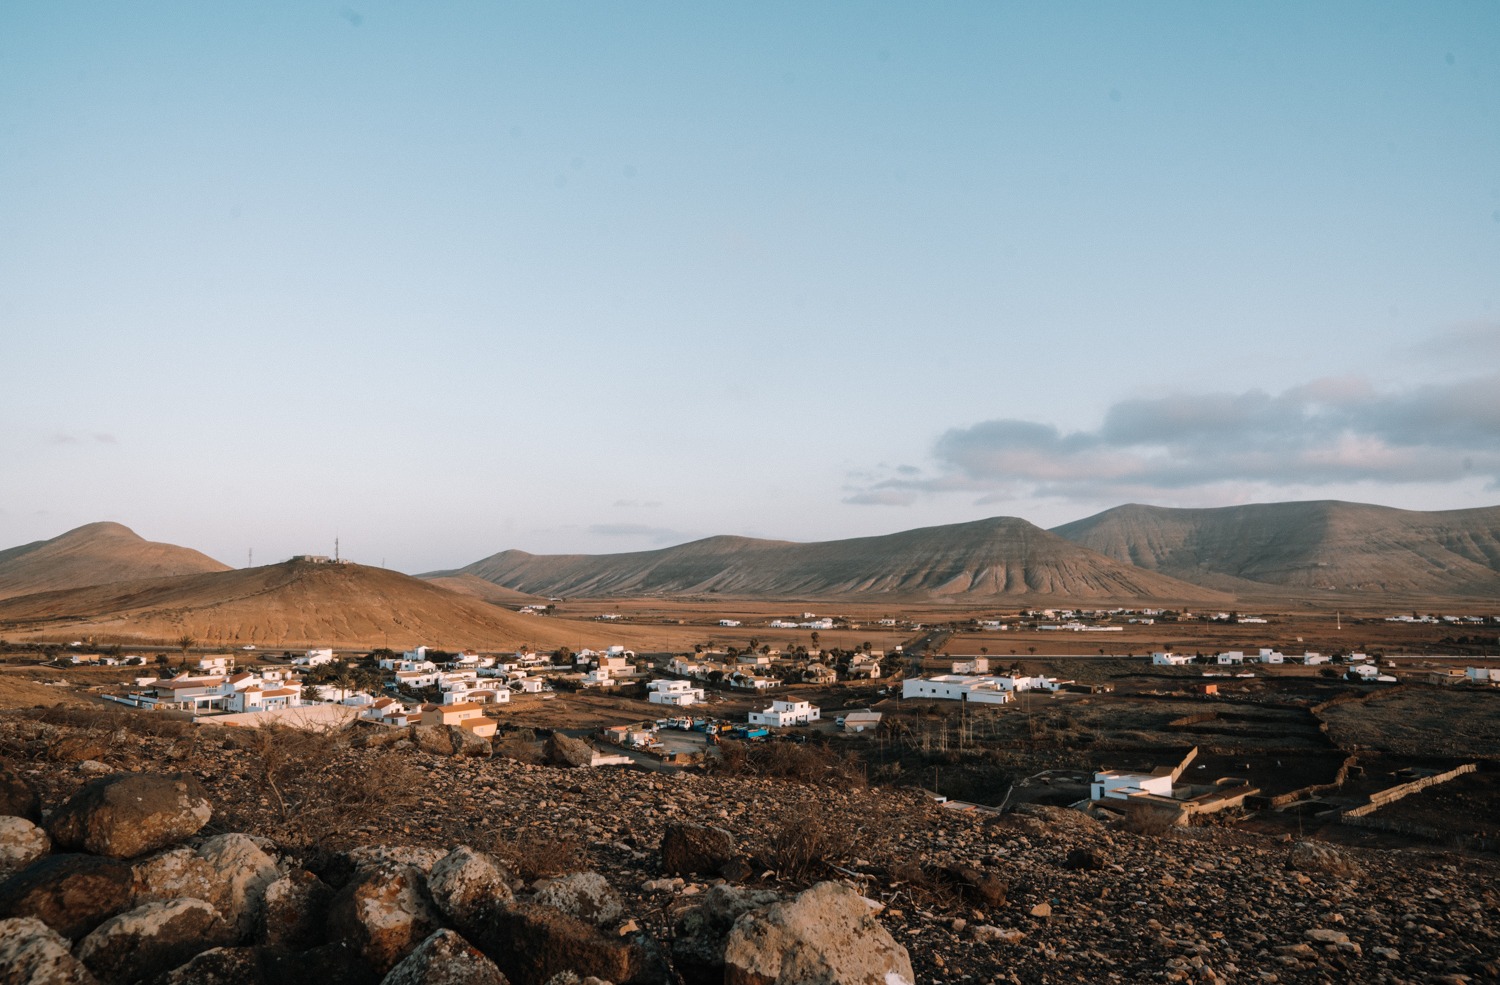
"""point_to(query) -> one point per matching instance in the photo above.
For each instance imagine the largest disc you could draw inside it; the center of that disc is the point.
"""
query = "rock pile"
(472, 867)
(176, 907)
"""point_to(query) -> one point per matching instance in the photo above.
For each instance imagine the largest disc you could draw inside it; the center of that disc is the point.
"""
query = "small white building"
(1270, 656)
(752, 682)
(1170, 659)
(417, 678)
(1230, 657)
(783, 713)
(1312, 659)
(861, 721)
(953, 687)
(731, 623)
(1123, 784)
(670, 692)
(314, 658)
(216, 664)
(1482, 675)
(971, 665)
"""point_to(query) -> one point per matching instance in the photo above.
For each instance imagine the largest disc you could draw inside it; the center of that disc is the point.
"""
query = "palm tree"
(185, 642)
(345, 683)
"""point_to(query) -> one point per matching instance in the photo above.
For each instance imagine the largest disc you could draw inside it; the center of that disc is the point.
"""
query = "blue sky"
(445, 279)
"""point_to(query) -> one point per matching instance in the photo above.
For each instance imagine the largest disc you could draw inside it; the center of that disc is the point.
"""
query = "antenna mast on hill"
(335, 549)
(250, 558)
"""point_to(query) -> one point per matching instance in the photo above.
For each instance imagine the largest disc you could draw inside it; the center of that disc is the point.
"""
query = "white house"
(216, 664)
(420, 653)
(971, 665)
(1368, 673)
(417, 678)
(861, 721)
(527, 685)
(729, 622)
(314, 658)
(751, 682)
(782, 713)
(1313, 659)
(1231, 657)
(1482, 675)
(671, 692)
(1122, 785)
(953, 687)
(599, 677)
(1270, 656)
(1170, 659)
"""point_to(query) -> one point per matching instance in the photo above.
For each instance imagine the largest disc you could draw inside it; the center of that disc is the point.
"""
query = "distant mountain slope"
(95, 554)
(477, 587)
(994, 557)
(1325, 545)
(291, 604)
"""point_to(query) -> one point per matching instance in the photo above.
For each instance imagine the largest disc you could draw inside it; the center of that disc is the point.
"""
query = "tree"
(815, 638)
(185, 642)
(345, 683)
(310, 692)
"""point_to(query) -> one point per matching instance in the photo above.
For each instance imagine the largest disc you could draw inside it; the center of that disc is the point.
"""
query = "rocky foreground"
(209, 855)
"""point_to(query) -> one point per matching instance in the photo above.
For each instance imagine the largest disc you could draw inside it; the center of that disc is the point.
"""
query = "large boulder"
(32, 953)
(585, 895)
(129, 814)
(21, 843)
(445, 958)
(244, 871)
(466, 743)
(467, 885)
(151, 939)
(384, 913)
(564, 750)
(72, 894)
(17, 798)
(294, 912)
(334, 964)
(416, 856)
(695, 848)
(436, 739)
(229, 871)
(1316, 857)
(701, 931)
(824, 935)
(532, 943)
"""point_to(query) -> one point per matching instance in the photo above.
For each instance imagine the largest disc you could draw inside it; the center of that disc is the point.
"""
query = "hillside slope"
(94, 554)
(1000, 556)
(291, 604)
(1323, 545)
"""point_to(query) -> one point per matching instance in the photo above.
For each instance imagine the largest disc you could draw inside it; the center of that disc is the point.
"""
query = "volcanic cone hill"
(291, 604)
(1324, 545)
(1000, 556)
(95, 554)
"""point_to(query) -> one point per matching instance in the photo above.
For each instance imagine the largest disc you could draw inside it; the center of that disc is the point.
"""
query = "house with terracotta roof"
(467, 715)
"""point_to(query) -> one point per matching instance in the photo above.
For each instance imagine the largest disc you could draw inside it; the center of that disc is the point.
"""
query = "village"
(678, 710)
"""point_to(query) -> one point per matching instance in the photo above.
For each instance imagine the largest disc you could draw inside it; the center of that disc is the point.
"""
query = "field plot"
(1420, 721)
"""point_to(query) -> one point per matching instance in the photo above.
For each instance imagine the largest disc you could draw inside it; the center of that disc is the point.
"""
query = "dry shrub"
(802, 845)
(806, 763)
(535, 856)
(1149, 821)
(320, 787)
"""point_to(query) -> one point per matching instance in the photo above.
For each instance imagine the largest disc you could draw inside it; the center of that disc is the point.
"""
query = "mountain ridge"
(995, 556)
(1321, 545)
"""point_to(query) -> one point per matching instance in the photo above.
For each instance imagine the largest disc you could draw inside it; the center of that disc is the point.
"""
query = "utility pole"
(335, 549)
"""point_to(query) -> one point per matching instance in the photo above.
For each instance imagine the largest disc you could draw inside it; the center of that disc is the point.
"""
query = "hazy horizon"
(441, 281)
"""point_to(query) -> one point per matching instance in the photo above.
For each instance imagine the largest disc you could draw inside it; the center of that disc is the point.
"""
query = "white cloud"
(1333, 431)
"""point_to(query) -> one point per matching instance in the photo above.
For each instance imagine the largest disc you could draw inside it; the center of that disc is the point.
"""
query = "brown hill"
(95, 554)
(477, 587)
(1326, 545)
(292, 604)
(1000, 556)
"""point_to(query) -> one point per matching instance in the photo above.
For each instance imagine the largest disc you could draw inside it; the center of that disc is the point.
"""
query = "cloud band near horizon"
(1330, 431)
